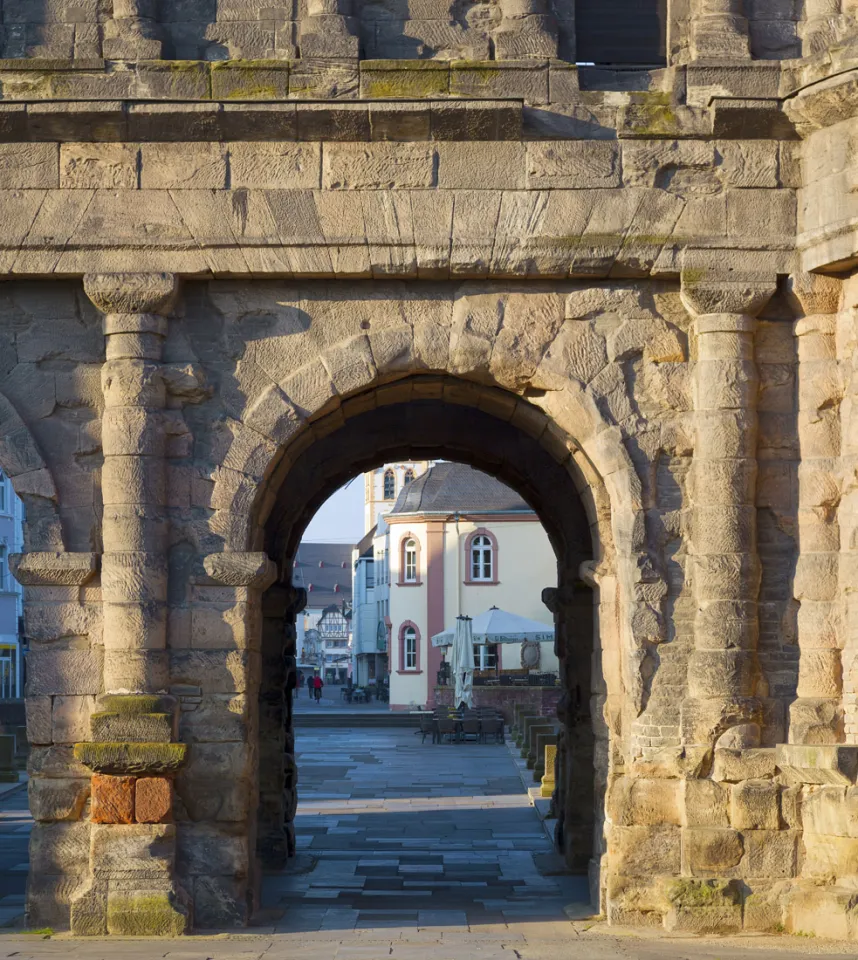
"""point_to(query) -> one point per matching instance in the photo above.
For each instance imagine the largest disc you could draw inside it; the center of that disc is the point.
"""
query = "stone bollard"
(523, 742)
(546, 727)
(543, 740)
(519, 712)
(8, 773)
(549, 782)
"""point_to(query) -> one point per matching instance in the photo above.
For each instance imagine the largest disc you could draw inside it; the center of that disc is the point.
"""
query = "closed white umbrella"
(499, 626)
(462, 662)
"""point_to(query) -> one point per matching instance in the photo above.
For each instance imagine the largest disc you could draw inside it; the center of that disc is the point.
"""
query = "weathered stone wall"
(232, 285)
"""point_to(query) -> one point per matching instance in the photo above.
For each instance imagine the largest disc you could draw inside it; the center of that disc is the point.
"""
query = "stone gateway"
(252, 251)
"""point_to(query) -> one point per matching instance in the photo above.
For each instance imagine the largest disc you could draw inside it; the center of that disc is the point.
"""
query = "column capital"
(132, 292)
(814, 293)
(738, 295)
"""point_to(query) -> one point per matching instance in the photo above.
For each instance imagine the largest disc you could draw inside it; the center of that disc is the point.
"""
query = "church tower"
(383, 485)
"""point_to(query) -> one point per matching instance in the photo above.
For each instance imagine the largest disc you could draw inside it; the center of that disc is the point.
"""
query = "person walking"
(300, 683)
(310, 686)
(317, 688)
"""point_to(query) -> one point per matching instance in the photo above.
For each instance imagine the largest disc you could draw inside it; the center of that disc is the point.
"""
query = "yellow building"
(458, 542)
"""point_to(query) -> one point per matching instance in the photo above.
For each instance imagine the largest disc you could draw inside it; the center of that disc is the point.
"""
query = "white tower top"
(383, 485)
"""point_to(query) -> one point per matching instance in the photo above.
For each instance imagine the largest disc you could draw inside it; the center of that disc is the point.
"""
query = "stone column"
(817, 715)
(821, 27)
(329, 31)
(133, 33)
(528, 31)
(134, 564)
(719, 30)
(723, 671)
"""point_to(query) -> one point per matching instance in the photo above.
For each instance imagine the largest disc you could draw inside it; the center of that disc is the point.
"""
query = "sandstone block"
(71, 718)
(705, 803)
(153, 800)
(220, 902)
(64, 672)
(29, 166)
(109, 727)
(643, 851)
(828, 858)
(182, 166)
(711, 851)
(206, 850)
(57, 799)
(60, 848)
(835, 763)
(572, 165)
(376, 166)
(754, 805)
(112, 799)
(770, 854)
(635, 801)
(133, 851)
(752, 764)
(39, 720)
(275, 166)
(131, 758)
(704, 906)
(92, 166)
(481, 165)
(145, 913)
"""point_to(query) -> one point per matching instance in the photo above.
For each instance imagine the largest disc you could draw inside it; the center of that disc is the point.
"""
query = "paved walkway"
(399, 833)
(409, 851)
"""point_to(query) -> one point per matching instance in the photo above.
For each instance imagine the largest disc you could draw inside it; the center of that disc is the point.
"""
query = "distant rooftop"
(457, 488)
(325, 572)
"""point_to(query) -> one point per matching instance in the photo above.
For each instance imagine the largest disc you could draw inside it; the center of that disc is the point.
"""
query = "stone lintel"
(125, 293)
(53, 569)
(818, 763)
(126, 758)
(254, 570)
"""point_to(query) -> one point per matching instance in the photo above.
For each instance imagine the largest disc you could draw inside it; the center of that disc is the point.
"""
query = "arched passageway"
(431, 417)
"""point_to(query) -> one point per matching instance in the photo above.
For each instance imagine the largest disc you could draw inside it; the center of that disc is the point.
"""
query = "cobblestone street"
(407, 851)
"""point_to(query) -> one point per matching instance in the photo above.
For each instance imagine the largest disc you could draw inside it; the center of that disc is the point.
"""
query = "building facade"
(603, 251)
(11, 609)
(324, 572)
(460, 542)
(383, 485)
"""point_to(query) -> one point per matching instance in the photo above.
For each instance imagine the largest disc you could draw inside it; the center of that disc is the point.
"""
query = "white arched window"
(410, 558)
(409, 649)
(389, 485)
(409, 476)
(482, 558)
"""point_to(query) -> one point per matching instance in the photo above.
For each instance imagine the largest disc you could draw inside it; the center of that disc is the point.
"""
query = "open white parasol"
(499, 626)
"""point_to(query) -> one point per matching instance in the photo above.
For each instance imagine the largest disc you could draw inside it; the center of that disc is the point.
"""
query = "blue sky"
(340, 518)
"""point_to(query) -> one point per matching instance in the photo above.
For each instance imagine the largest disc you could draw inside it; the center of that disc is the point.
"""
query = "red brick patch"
(112, 799)
(154, 800)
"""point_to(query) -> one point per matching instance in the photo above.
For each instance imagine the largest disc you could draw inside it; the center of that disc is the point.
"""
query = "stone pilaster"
(133, 33)
(528, 31)
(822, 25)
(134, 564)
(719, 30)
(816, 716)
(723, 671)
(329, 31)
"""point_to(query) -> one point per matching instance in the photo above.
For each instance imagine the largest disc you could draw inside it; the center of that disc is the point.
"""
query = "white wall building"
(457, 542)
(324, 570)
(11, 541)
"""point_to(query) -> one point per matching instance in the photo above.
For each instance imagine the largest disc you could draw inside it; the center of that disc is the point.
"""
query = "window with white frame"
(482, 559)
(410, 560)
(487, 660)
(409, 648)
(2, 491)
(3, 584)
(389, 485)
(409, 476)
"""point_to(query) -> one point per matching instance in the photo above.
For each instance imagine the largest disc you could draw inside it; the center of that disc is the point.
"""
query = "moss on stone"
(145, 915)
(689, 893)
(131, 758)
(132, 703)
